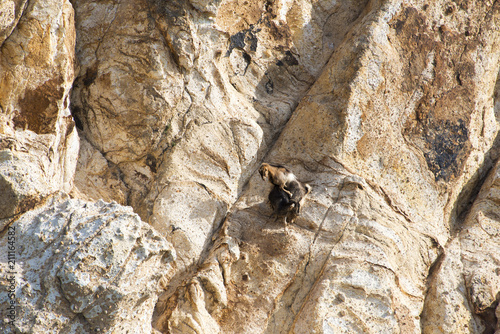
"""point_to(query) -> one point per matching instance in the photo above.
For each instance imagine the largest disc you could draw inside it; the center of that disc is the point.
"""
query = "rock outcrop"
(389, 109)
(198, 93)
(466, 280)
(85, 267)
(38, 139)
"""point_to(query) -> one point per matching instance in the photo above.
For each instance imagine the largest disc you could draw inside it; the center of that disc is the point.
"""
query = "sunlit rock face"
(38, 139)
(154, 117)
(85, 267)
(184, 99)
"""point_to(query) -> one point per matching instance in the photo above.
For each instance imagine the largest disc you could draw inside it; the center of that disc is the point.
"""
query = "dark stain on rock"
(268, 6)
(245, 39)
(76, 113)
(290, 59)
(445, 141)
(141, 177)
(90, 75)
(439, 126)
(169, 9)
(151, 162)
(39, 107)
(280, 33)
(237, 40)
(248, 60)
(28, 203)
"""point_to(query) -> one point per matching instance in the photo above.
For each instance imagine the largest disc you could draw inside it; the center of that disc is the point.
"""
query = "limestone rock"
(447, 308)
(188, 96)
(10, 13)
(38, 140)
(95, 179)
(391, 139)
(388, 108)
(479, 240)
(346, 254)
(83, 267)
(465, 288)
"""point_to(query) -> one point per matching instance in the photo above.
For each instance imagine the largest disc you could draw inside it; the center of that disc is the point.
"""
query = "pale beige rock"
(128, 88)
(388, 108)
(395, 128)
(479, 240)
(361, 263)
(84, 267)
(33, 166)
(95, 179)
(446, 308)
(38, 139)
(175, 95)
(10, 12)
(465, 289)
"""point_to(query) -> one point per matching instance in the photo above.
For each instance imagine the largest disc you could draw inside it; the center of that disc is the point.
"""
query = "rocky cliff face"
(130, 136)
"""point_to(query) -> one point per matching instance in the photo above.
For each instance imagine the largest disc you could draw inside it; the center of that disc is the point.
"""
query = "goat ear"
(308, 188)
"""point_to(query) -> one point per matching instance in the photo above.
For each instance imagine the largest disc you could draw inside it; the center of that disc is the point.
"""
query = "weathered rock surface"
(198, 93)
(10, 13)
(389, 136)
(388, 108)
(38, 139)
(479, 240)
(97, 177)
(85, 267)
(467, 279)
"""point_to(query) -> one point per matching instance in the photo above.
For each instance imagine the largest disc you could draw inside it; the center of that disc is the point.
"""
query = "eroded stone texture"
(349, 257)
(466, 286)
(463, 287)
(83, 267)
(479, 240)
(364, 122)
(98, 176)
(386, 173)
(10, 13)
(447, 308)
(184, 98)
(388, 108)
(38, 140)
